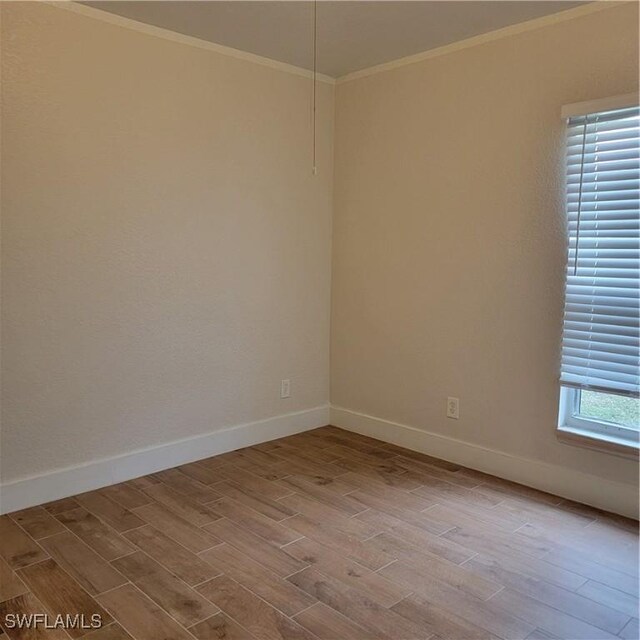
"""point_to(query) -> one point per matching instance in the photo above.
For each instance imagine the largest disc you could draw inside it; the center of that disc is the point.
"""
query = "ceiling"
(352, 34)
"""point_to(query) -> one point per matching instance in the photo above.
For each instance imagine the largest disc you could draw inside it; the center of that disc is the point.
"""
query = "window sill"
(606, 444)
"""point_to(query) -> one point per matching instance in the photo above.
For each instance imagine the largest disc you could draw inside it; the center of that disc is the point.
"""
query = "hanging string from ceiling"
(315, 75)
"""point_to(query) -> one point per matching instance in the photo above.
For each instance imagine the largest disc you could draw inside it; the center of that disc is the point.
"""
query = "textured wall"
(449, 245)
(166, 251)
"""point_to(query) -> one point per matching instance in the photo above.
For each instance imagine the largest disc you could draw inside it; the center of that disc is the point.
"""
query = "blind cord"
(584, 144)
(315, 74)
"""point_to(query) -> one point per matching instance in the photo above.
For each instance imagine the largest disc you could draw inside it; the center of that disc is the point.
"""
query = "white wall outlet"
(453, 408)
(285, 389)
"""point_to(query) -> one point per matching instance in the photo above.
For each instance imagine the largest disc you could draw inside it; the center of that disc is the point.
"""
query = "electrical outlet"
(285, 388)
(453, 408)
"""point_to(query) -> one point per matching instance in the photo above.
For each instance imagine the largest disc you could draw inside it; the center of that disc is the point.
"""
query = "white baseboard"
(567, 483)
(62, 483)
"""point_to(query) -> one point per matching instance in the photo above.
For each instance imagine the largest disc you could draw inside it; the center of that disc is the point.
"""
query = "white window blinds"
(601, 338)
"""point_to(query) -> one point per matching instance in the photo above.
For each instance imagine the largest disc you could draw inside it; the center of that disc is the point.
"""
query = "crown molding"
(167, 34)
(505, 32)
(490, 36)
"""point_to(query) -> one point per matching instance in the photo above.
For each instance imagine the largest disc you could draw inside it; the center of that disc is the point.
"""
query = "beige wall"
(166, 250)
(449, 245)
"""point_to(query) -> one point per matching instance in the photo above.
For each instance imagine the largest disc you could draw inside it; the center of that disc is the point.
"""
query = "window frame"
(570, 419)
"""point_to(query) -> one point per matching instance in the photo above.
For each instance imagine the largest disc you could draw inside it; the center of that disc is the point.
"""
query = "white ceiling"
(352, 34)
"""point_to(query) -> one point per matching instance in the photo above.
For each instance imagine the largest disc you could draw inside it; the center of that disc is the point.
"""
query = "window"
(600, 370)
(600, 415)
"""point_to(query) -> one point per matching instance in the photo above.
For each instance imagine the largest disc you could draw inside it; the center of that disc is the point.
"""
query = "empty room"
(320, 320)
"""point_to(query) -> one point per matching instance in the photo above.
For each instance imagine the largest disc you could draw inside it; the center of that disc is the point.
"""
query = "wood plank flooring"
(326, 535)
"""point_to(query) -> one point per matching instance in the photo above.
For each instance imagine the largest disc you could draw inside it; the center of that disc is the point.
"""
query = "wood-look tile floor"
(324, 535)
